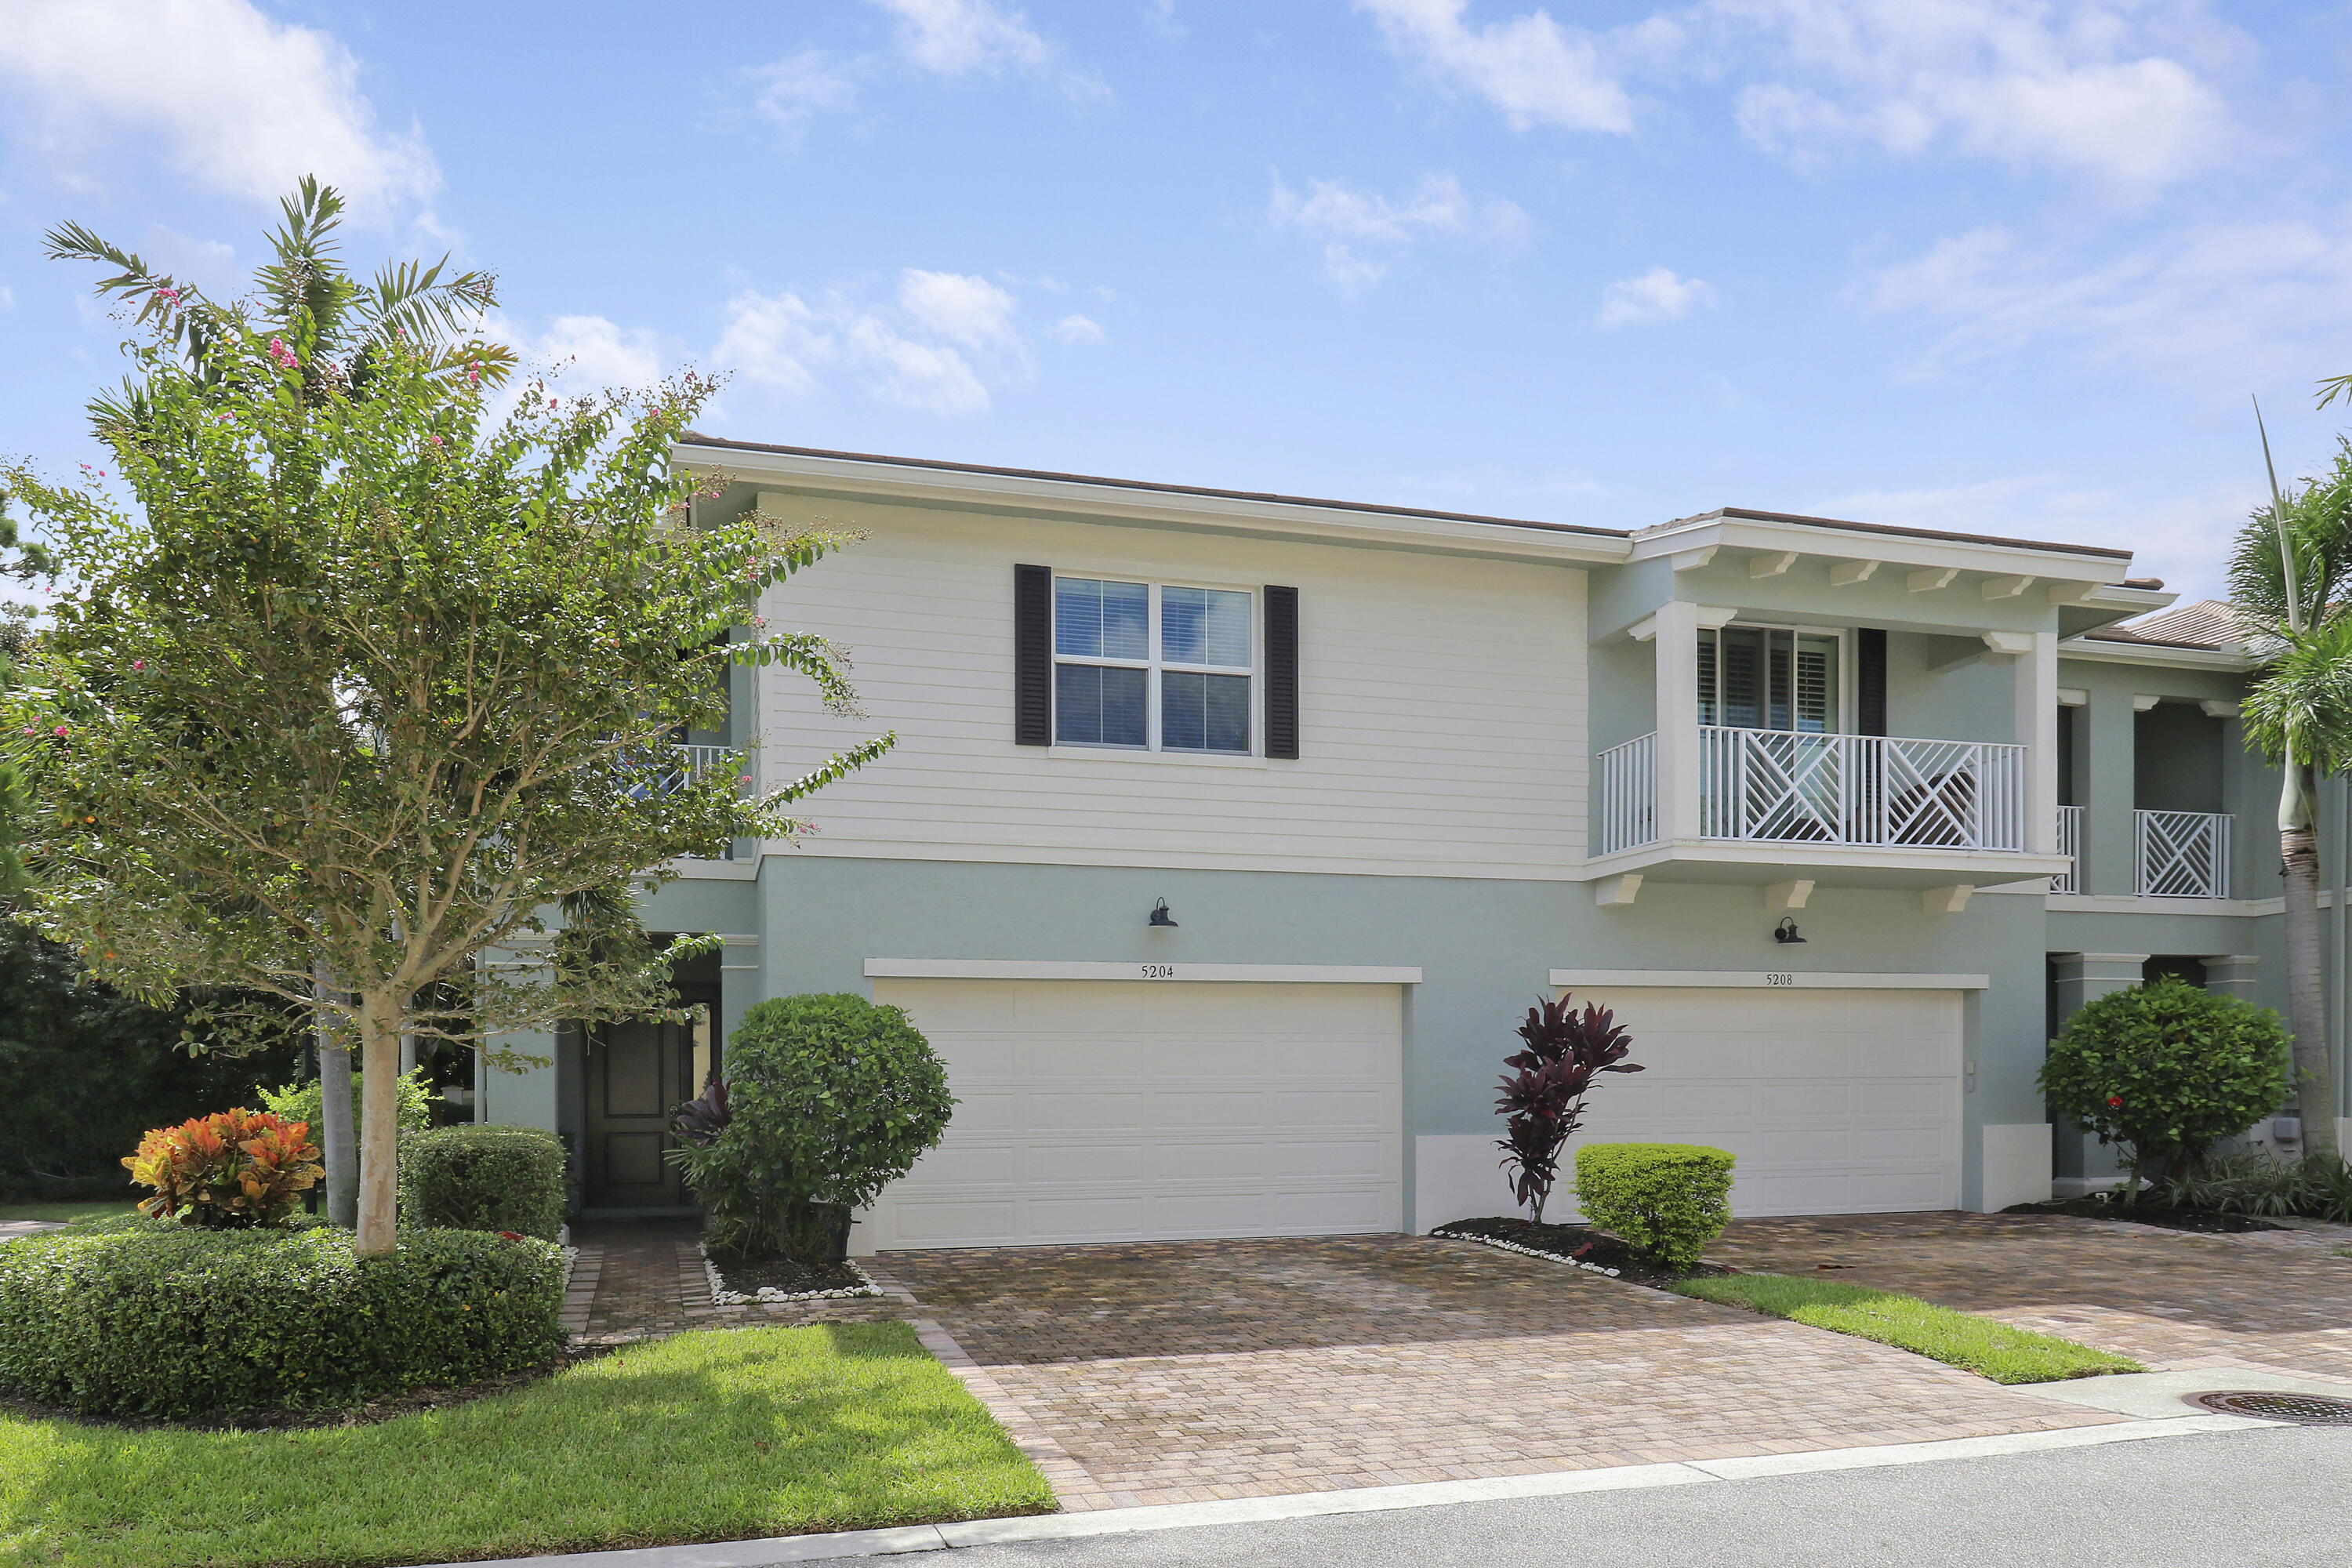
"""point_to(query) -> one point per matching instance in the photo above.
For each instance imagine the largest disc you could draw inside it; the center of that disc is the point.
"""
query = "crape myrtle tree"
(2290, 575)
(358, 690)
(304, 291)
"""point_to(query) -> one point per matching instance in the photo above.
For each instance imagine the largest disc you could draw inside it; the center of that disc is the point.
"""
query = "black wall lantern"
(1160, 917)
(1787, 929)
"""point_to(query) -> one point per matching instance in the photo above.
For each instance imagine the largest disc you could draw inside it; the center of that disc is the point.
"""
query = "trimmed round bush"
(828, 1100)
(483, 1178)
(147, 1318)
(1665, 1201)
(2162, 1070)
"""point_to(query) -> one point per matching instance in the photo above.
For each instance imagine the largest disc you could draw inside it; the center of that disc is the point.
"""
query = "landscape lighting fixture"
(1787, 929)
(1160, 917)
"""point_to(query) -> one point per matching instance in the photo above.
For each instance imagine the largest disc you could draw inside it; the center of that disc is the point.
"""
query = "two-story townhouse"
(1227, 836)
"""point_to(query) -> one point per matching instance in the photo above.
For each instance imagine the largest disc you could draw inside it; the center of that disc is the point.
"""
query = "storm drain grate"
(2270, 1405)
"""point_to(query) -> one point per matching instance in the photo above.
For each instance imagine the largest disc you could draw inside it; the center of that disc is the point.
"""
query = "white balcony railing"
(1628, 786)
(2181, 854)
(673, 767)
(2070, 844)
(1777, 786)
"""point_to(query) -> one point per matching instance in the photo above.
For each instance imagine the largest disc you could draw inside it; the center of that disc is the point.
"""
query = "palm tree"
(337, 325)
(2288, 576)
(338, 329)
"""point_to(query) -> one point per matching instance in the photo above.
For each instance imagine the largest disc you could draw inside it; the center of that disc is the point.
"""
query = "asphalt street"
(2230, 1499)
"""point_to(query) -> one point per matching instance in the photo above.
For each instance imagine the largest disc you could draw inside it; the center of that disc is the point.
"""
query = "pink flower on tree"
(284, 355)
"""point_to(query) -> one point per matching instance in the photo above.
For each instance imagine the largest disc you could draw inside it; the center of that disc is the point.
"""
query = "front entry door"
(638, 1073)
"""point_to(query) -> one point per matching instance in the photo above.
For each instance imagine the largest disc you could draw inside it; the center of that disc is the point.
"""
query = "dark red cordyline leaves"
(1543, 1096)
(700, 1121)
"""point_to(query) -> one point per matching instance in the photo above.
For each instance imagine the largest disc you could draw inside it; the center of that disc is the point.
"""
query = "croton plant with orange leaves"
(229, 1171)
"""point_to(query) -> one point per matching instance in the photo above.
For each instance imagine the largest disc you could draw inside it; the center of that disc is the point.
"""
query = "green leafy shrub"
(1666, 1201)
(305, 1101)
(483, 1178)
(827, 1100)
(2249, 1181)
(232, 1169)
(145, 1318)
(2161, 1071)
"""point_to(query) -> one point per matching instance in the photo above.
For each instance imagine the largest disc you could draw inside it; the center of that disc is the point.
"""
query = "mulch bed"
(1576, 1244)
(2205, 1222)
(749, 1275)
(388, 1408)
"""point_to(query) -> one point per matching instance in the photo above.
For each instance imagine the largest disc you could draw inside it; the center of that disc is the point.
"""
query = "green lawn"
(721, 1434)
(1993, 1350)
(66, 1211)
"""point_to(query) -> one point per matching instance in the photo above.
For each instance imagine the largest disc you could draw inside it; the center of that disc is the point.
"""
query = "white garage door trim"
(1030, 969)
(1109, 1107)
(1838, 1099)
(1773, 979)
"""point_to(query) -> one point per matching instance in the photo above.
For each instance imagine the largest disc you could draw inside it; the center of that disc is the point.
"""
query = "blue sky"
(1979, 264)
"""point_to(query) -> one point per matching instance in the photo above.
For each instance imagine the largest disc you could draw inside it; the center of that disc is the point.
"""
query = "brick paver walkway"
(642, 1278)
(2168, 1298)
(1178, 1371)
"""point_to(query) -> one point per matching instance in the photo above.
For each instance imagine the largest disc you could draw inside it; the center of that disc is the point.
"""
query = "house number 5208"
(1779, 979)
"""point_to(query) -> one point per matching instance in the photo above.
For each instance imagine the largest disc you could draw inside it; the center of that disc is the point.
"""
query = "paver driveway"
(2166, 1299)
(1178, 1371)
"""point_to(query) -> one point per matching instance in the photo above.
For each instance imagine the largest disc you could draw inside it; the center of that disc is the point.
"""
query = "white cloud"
(241, 103)
(790, 92)
(2206, 306)
(1346, 219)
(2183, 539)
(2084, 86)
(939, 346)
(972, 311)
(9, 301)
(1657, 295)
(1071, 329)
(775, 339)
(1533, 69)
(954, 36)
(591, 350)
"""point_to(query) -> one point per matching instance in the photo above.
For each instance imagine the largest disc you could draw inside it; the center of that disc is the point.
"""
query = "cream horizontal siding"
(1441, 706)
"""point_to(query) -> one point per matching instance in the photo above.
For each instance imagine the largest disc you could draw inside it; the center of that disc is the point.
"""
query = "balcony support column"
(1675, 641)
(2037, 732)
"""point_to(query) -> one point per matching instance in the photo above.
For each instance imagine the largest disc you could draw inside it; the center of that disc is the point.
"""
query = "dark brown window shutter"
(1282, 672)
(1870, 682)
(1033, 656)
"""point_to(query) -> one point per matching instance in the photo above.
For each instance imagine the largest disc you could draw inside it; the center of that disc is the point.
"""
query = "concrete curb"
(1361, 1499)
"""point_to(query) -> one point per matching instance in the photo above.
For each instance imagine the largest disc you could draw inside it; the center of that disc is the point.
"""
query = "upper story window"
(1151, 667)
(1769, 677)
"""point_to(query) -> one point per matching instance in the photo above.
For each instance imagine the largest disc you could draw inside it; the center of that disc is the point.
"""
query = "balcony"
(2175, 854)
(1872, 809)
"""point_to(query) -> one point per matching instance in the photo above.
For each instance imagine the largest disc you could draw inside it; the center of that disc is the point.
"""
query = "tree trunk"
(379, 1126)
(2314, 1077)
(336, 1135)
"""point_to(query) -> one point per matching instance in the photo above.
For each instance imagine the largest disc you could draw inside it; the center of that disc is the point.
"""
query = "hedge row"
(483, 1178)
(149, 1317)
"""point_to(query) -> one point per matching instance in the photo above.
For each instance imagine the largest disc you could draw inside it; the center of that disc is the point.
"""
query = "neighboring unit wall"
(1443, 707)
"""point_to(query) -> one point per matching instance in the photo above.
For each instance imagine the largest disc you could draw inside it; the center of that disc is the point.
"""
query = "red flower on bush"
(511, 1235)
(233, 1169)
(2114, 1102)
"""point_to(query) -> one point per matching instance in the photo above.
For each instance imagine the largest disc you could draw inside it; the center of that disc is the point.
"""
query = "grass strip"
(1980, 1346)
(715, 1435)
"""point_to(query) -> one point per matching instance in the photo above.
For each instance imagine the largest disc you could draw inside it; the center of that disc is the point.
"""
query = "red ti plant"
(1543, 1094)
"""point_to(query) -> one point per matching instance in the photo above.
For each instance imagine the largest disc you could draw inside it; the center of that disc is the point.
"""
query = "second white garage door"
(1103, 1110)
(1835, 1101)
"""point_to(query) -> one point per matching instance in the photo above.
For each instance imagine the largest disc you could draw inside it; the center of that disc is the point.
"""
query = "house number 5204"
(1159, 971)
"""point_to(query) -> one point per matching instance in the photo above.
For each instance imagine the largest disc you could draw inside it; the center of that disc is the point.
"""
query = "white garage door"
(1101, 1110)
(1835, 1101)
